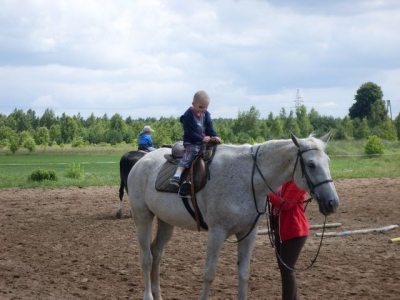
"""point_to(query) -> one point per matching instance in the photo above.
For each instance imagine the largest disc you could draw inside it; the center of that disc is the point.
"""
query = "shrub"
(374, 146)
(75, 171)
(41, 175)
(29, 144)
(78, 142)
(13, 145)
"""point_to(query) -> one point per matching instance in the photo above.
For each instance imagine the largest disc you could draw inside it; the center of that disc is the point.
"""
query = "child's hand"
(217, 139)
(206, 139)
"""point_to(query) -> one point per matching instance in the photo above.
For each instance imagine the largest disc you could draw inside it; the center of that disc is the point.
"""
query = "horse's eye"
(311, 165)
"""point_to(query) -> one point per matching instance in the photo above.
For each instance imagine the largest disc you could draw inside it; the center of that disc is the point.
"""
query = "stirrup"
(185, 192)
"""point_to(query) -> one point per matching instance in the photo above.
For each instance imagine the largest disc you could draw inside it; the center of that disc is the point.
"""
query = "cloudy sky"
(147, 58)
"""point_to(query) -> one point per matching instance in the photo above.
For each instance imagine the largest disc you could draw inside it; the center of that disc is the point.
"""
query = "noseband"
(304, 173)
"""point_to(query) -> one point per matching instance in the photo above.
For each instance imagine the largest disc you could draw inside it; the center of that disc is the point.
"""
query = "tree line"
(367, 116)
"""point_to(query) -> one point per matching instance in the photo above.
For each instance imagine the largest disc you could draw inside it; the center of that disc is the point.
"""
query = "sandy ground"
(67, 244)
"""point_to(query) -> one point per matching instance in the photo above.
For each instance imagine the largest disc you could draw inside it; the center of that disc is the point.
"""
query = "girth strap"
(193, 195)
(191, 212)
(198, 180)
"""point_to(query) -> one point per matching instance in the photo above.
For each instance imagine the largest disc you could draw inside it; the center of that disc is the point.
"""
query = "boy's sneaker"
(175, 181)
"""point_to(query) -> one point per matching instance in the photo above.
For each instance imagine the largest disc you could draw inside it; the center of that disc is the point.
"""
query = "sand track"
(67, 244)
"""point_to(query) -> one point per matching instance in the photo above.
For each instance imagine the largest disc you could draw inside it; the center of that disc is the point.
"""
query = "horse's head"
(311, 172)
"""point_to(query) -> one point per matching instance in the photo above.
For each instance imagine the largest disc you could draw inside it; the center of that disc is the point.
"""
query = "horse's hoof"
(119, 214)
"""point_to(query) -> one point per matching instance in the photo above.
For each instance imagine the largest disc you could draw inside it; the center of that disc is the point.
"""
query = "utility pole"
(299, 100)
(389, 108)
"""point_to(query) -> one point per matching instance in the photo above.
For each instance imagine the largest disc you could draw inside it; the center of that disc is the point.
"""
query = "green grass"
(101, 164)
(364, 167)
(348, 160)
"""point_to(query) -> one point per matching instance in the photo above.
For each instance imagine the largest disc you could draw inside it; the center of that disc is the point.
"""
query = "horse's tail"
(125, 169)
(123, 177)
(128, 160)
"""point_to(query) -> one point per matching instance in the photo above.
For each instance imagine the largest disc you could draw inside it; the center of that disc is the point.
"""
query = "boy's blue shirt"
(145, 140)
(190, 134)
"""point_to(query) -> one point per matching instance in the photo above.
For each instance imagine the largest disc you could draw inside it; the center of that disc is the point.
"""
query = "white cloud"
(45, 101)
(148, 58)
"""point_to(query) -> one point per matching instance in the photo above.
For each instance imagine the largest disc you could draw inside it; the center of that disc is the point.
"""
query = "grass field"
(349, 161)
(101, 164)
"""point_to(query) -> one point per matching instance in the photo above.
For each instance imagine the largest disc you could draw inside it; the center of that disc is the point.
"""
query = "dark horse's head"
(311, 172)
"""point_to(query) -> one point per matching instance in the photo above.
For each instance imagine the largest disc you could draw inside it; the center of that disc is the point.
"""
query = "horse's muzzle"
(327, 205)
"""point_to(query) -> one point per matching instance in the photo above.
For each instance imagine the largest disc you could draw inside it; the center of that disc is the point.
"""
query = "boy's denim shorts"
(190, 153)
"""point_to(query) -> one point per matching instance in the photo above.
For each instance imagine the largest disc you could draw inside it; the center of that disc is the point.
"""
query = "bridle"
(304, 173)
(259, 213)
(311, 186)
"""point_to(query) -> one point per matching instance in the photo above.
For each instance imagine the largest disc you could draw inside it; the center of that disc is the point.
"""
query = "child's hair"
(200, 95)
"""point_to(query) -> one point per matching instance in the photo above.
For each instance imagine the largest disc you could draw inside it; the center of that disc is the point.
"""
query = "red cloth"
(292, 218)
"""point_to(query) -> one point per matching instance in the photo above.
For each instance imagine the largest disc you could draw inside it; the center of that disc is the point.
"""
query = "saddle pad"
(163, 177)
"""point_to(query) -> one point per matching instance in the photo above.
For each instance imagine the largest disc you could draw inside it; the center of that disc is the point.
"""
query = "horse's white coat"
(226, 202)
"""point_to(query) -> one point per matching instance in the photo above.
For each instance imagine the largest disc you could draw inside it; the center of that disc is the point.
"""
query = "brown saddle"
(196, 176)
(193, 179)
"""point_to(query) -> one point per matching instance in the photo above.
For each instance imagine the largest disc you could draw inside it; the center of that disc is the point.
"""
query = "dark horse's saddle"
(193, 179)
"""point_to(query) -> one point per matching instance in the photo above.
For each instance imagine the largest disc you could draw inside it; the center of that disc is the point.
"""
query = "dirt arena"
(67, 244)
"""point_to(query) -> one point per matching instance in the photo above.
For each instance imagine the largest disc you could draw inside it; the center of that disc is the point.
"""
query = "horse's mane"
(319, 144)
(312, 140)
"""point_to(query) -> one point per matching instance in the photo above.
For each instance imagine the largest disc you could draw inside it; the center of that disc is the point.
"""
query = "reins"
(271, 236)
(311, 186)
(259, 213)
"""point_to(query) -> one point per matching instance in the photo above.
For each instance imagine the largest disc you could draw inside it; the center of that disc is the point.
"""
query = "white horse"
(241, 177)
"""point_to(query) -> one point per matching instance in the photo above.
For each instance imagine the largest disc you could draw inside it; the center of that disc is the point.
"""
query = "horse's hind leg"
(164, 234)
(214, 246)
(245, 249)
(121, 200)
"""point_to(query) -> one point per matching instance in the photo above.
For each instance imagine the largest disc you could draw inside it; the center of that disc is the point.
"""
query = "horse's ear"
(326, 137)
(295, 140)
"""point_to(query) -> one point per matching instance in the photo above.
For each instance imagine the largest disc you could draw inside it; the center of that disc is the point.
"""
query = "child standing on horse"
(197, 129)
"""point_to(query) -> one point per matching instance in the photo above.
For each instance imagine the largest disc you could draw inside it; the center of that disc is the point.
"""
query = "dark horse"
(128, 160)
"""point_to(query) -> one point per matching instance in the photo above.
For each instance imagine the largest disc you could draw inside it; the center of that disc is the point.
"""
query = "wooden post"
(358, 231)
(395, 240)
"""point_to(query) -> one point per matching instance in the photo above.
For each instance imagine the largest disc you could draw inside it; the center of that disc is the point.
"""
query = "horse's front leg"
(164, 234)
(245, 250)
(144, 223)
(214, 246)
